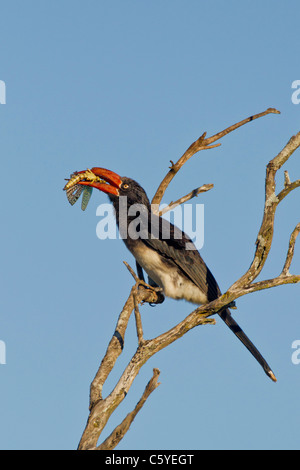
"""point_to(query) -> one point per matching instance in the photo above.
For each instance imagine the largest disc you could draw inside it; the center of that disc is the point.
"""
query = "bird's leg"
(139, 271)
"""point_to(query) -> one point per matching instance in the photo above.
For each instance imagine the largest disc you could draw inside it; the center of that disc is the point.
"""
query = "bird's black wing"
(174, 245)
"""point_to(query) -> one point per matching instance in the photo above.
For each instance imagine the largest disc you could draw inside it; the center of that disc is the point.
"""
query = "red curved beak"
(113, 181)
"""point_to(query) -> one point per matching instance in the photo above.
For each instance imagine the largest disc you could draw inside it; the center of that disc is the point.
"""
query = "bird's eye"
(125, 186)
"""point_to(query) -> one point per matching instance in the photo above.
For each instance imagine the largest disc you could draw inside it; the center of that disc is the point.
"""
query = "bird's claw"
(157, 290)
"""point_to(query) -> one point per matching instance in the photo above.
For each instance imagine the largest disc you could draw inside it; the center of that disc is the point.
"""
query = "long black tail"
(236, 329)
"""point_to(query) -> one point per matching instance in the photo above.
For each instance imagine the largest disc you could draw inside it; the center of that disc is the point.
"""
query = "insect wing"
(86, 196)
(74, 193)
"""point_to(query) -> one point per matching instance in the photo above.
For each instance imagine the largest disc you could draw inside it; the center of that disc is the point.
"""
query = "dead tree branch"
(101, 409)
(119, 432)
(266, 232)
(183, 199)
(203, 143)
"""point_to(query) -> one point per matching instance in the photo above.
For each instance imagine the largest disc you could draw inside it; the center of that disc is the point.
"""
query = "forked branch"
(266, 232)
(119, 432)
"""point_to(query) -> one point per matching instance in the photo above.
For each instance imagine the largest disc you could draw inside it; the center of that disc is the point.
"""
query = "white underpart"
(173, 285)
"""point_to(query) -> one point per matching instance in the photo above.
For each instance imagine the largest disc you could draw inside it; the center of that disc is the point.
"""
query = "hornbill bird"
(159, 248)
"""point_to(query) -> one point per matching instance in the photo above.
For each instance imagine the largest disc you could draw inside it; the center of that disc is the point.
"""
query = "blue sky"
(129, 85)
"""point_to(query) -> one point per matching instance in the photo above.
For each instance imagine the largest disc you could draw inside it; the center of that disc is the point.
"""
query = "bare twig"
(131, 271)
(138, 320)
(229, 129)
(290, 253)
(288, 187)
(271, 283)
(182, 200)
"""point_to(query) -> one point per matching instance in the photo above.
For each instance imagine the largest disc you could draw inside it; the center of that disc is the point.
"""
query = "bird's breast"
(166, 274)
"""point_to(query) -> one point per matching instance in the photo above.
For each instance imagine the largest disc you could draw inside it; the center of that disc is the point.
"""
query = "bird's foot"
(158, 296)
